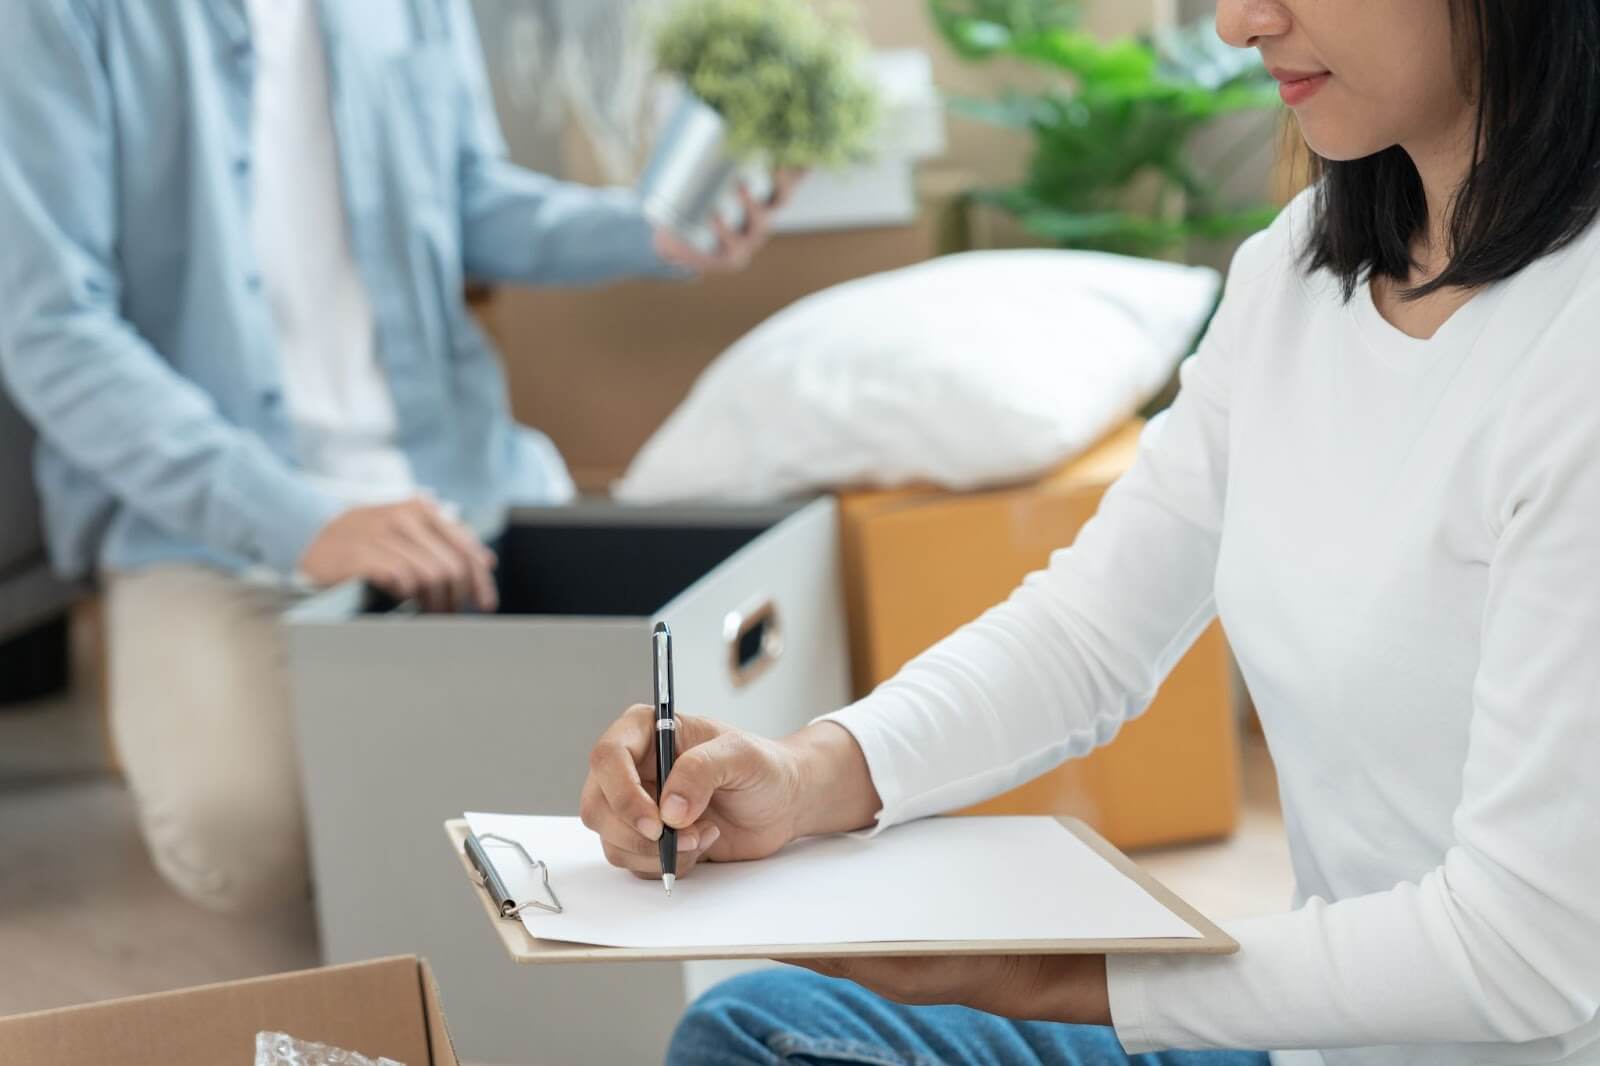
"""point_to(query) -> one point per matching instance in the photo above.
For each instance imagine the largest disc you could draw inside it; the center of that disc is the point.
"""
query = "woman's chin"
(1339, 143)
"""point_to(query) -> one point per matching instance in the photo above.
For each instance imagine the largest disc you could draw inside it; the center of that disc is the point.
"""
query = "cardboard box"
(389, 1007)
(1172, 774)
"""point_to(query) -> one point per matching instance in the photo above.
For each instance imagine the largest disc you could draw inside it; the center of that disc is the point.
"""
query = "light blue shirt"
(133, 327)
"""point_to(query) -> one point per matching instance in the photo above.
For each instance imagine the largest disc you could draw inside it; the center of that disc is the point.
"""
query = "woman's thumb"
(699, 772)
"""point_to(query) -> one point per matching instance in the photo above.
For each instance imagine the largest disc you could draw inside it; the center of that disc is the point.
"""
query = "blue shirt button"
(271, 398)
(241, 166)
(252, 281)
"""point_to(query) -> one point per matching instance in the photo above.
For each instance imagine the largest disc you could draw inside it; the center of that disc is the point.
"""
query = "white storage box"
(406, 720)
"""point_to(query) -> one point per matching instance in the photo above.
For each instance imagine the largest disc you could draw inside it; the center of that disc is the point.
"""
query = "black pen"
(666, 746)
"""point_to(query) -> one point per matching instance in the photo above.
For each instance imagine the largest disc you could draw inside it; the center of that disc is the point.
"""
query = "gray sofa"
(33, 602)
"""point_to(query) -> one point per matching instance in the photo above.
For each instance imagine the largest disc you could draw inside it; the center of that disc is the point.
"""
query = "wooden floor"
(84, 917)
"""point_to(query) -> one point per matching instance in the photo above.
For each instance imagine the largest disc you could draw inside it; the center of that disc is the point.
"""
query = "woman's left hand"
(1047, 988)
(735, 249)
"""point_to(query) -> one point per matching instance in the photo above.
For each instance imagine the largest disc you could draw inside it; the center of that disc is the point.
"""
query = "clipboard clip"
(490, 881)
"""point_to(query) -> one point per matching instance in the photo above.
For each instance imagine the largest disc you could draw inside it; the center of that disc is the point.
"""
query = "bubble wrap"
(281, 1049)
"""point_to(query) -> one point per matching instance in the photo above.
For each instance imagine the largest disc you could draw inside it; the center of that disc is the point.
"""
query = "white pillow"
(965, 371)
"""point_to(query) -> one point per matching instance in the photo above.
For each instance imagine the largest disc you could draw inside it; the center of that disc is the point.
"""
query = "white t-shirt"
(1402, 539)
(336, 395)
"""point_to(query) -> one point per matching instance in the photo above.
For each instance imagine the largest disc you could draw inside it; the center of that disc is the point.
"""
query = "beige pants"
(201, 717)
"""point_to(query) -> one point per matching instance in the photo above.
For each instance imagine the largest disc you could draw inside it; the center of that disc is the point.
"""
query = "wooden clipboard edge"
(1217, 942)
(528, 950)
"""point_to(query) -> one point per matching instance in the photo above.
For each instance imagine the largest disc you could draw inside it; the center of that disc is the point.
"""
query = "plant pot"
(692, 179)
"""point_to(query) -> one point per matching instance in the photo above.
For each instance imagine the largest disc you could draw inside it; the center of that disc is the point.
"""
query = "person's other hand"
(731, 795)
(1046, 988)
(411, 550)
(734, 250)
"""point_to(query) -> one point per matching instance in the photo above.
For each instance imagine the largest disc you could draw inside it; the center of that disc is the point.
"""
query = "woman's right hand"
(731, 796)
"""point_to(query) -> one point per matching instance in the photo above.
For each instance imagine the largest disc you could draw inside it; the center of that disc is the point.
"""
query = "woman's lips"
(1296, 87)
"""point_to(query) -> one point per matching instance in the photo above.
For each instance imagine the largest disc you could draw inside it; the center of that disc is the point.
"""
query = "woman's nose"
(1246, 23)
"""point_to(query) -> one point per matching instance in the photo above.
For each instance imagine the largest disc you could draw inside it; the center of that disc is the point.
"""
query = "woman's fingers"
(617, 805)
(649, 866)
(622, 833)
(699, 772)
(614, 773)
(624, 839)
(618, 833)
(650, 869)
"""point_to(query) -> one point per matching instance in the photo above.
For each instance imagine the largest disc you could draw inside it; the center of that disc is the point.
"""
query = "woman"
(1383, 473)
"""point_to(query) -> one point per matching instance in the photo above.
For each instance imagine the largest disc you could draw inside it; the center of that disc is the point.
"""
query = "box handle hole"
(754, 634)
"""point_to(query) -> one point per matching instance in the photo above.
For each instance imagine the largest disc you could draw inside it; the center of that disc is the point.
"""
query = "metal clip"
(489, 877)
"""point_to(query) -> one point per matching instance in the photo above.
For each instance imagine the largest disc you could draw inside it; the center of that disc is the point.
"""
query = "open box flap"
(372, 1007)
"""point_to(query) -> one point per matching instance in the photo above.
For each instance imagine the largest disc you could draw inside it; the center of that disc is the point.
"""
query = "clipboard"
(528, 950)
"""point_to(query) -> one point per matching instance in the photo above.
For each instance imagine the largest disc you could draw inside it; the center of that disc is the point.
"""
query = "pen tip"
(667, 880)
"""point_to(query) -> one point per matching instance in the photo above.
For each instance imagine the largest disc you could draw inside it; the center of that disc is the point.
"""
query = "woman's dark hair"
(1535, 186)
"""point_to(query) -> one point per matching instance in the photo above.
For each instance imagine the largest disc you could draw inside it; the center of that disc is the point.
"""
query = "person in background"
(234, 240)
(1383, 472)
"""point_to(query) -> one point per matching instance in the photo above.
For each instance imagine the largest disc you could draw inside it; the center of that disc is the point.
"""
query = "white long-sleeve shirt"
(1402, 539)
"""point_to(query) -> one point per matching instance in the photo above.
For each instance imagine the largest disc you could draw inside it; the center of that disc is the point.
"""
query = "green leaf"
(979, 29)
(1122, 113)
(1123, 64)
(1016, 111)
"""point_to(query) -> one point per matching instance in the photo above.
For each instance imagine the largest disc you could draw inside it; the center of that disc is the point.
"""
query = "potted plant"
(765, 84)
(1111, 167)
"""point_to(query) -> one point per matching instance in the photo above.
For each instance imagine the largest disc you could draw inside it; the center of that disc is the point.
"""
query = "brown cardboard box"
(1172, 774)
(385, 1008)
(600, 369)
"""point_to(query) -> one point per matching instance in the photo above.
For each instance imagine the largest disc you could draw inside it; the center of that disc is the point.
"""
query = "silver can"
(691, 178)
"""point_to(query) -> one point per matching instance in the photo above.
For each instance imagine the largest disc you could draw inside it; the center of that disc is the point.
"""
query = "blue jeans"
(788, 1017)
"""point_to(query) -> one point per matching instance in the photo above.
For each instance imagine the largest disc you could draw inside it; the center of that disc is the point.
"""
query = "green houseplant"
(788, 82)
(1111, 167)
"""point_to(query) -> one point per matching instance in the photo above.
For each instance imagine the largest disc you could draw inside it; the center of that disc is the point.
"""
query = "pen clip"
(662, 644)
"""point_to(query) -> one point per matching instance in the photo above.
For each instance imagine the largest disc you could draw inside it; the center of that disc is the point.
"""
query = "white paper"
(957, 879)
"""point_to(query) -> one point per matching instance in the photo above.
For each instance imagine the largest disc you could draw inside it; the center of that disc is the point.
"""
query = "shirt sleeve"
(93, 387)
(1498, 944)
(521, 226)
(1083, 645)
